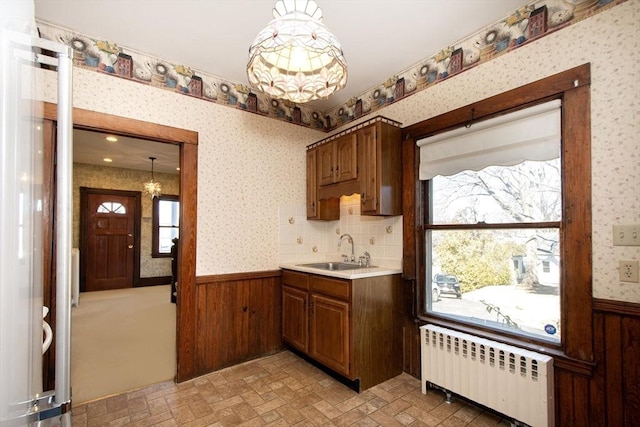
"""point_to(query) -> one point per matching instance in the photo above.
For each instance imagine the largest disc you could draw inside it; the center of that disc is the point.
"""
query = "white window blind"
(529, 134)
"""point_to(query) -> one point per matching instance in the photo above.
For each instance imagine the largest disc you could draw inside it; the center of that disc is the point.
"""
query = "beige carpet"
(121, 340)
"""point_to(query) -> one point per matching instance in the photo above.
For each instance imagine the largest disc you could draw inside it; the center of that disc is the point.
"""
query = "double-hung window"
(166, 224)
(494, 215)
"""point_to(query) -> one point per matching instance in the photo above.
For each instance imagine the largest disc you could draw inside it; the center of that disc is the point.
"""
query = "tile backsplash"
(302, 240)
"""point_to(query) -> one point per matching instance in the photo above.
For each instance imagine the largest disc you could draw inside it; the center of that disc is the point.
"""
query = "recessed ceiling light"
(108, 160)
(111, 138)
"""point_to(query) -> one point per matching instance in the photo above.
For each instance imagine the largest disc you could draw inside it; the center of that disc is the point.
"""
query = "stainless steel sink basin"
(334, 266)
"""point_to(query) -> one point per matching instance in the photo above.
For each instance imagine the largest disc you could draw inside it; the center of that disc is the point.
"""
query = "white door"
(21, 262)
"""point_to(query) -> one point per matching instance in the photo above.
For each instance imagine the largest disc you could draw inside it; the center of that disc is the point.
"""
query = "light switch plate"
(626, 235)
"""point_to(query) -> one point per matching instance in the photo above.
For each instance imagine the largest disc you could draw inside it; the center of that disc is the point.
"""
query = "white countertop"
(358, 273)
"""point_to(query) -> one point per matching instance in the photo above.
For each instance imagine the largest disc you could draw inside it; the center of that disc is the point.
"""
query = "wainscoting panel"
(617, 349)
(238, 318)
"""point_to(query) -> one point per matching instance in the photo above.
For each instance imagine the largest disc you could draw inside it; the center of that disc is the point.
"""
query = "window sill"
(560, 360)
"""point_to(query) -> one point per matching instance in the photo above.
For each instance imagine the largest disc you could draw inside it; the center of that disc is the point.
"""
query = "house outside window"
(166, 224)
(479, 225)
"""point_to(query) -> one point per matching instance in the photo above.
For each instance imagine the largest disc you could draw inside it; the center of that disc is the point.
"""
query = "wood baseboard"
(154, 281)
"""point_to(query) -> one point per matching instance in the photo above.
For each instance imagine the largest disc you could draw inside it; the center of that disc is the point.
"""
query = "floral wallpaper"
(251, 168)
(606, 41)
(537, 19)
(526, 25)
(112, 178)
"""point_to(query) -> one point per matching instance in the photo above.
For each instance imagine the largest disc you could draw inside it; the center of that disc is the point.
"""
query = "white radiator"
(515, 382)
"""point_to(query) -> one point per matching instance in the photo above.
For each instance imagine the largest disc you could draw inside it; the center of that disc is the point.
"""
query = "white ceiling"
(379, 38)
(128, 153)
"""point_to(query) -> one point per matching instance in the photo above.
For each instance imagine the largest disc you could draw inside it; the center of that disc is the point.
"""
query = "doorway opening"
(187, 142)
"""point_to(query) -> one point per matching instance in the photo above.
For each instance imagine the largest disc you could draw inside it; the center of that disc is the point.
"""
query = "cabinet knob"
(363, 196)
(130, 246)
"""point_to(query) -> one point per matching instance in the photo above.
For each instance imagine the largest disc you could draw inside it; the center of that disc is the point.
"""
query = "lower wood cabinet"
(329, 339)
(295, 329)
(349, 326)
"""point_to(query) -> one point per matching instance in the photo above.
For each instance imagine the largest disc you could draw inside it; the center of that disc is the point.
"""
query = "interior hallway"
(280, 390)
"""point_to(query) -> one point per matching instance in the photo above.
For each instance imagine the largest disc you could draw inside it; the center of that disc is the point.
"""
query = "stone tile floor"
(280, 390)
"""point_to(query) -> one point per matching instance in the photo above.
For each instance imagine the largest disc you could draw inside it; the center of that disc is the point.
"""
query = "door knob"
(130, 246)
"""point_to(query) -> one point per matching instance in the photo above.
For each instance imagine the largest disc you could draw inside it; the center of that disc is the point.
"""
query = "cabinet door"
(330, 333)
(312, 184)
(346, 167)
(369, 164)
(326, 164)
(295, 321)
(325, 209)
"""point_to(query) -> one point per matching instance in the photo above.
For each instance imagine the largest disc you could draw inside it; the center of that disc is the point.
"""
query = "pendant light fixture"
(296, 57)
(152, 187)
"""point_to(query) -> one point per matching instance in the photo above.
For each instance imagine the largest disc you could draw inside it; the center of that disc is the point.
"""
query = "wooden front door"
(109, 230)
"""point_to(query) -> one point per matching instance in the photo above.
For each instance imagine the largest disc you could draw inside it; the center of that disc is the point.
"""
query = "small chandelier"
(152, 187)
(295, 56)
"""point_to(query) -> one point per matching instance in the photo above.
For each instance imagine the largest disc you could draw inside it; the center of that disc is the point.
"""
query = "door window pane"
(112, 207)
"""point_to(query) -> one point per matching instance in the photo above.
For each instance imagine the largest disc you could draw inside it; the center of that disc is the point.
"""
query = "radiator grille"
(513, 381)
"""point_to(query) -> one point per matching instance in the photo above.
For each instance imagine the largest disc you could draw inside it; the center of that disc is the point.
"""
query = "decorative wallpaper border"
(527, 24)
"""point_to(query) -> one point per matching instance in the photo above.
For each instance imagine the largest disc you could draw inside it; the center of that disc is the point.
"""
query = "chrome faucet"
(367, 259)
(353, 256)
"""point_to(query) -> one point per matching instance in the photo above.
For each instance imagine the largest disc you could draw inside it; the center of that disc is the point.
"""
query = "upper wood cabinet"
(324, 209)
(312, 183)
(380, 169)
(366, 160)
(338, 160)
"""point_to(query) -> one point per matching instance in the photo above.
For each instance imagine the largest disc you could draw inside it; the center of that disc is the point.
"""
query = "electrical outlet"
(626, 235)
(629, 271)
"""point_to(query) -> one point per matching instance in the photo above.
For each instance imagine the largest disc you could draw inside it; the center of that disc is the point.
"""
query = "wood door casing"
(48, 251)
(188, 142)
(110, 230)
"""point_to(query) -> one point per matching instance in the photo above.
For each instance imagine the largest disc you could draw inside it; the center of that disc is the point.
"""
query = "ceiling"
(128, 153)
(379, 38)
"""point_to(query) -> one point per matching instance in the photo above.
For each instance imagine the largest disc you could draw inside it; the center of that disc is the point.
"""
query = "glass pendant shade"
(296, 57)
(152, 187)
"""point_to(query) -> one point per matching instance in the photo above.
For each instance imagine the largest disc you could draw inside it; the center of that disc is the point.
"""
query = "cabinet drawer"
(332, 287)
(295, 279)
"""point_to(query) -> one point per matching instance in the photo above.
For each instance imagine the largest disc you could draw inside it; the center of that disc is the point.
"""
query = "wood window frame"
(155, 225)
(572, 87)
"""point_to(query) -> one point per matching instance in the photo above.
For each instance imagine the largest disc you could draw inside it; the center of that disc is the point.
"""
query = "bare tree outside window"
(499, 227)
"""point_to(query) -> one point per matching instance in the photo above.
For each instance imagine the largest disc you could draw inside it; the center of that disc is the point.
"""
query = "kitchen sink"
(334, 266)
